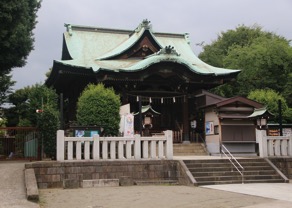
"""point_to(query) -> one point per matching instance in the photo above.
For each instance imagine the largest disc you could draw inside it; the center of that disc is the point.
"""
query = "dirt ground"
(146, 196)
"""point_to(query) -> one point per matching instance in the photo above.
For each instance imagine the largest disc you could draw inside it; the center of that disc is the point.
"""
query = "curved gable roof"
(96, 48)
(133, 39)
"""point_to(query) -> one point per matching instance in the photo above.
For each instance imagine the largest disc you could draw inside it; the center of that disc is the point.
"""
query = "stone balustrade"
(275, 146)
(114, 148)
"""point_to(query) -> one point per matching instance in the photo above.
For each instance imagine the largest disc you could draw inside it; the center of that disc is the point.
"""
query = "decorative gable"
(145, 46)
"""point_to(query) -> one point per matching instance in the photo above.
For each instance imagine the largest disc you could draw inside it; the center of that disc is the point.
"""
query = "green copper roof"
(134, 38)
(145, 109)
(92, 47)
(260, 112)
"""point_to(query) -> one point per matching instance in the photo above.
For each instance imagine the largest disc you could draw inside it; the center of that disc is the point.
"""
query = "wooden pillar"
(124, 98)
(186, 125)
(61, 111)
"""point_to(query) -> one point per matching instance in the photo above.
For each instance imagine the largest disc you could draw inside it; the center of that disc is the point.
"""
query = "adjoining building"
(228, 121)
(143, 66)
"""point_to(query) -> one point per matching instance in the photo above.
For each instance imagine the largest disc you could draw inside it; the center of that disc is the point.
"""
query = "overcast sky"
(203, 19)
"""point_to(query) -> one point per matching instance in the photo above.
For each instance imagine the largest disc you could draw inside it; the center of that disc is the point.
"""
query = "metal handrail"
(233, 158)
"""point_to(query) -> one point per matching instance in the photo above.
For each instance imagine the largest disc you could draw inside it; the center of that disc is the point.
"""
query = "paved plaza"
(12, 194)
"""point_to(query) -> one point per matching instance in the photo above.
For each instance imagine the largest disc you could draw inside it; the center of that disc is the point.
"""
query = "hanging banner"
(129, 125)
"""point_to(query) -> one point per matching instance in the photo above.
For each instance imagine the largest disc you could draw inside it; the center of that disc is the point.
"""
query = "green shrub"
(48, 124)
(98, 105)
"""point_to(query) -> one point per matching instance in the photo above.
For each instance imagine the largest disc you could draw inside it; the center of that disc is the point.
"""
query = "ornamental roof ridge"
(95, 29)
(144, 24)
(71, 27)
(168, 50)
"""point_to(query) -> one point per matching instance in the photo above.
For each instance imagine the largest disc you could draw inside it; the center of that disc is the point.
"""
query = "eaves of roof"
(145, 109)
(239, 99)
(260, 112)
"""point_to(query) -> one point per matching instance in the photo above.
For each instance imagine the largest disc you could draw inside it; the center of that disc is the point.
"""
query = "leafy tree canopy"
(264, 58)
(98, 105)
(270, 98)
(5, 86)
(27, 100)
(18, 19)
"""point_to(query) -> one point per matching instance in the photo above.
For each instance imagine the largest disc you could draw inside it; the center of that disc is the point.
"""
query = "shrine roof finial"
(69, 28)
(144, 24)
(168, 50)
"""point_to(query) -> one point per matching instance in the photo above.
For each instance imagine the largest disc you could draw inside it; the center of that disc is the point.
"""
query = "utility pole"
(280, 117)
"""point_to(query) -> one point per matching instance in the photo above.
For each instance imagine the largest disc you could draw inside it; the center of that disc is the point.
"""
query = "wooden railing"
(114, 148)
(177, 136)
(276, 146)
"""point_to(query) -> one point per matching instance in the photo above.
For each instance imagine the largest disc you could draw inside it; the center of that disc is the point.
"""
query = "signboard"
(85, 133)
(129, 125)
(209, 128)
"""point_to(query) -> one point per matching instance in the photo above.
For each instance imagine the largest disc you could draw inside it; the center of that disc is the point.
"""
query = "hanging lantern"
(161, 100)
(174, 99)
(150, 100)
(137, 98)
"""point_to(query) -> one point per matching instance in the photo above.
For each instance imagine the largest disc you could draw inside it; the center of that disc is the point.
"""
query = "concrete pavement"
(12, 191)
(281, 192)
(166, 196)
(12, 194)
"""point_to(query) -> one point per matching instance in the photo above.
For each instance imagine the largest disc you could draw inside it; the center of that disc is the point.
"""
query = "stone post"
(113, 149)
(290, 146)
(104, 150)
(145, 149)
(128, 149)
(121, 149)
(137, 147)
(60, 145)
(169, 144)
(153, 149)
(263, 145)
(96, 150)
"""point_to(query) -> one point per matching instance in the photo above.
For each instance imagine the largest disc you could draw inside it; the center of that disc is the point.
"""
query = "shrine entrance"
(159, 68)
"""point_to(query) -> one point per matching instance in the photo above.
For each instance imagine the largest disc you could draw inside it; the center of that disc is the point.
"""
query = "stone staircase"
(189, 149)
(219, 171)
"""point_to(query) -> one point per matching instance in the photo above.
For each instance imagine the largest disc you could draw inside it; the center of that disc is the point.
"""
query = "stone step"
(223, 160)
(226, 168)
(156, 182)
(204, 183)
(198, 165)
(220, 173)
(189, 153)
(100, 183)
(188, 149)
(237, 177)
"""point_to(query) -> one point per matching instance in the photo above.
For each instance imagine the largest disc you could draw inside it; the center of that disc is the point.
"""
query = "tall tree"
(264, 58)
(5, 86)
(18, 19)
(26, 101)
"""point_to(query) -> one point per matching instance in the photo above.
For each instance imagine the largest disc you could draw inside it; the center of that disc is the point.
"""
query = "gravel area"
(146, 196)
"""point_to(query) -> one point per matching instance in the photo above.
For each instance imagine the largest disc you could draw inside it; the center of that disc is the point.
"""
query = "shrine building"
(155, 69)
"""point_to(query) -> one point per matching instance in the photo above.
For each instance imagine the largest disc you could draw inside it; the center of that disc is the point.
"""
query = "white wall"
(212, 140)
